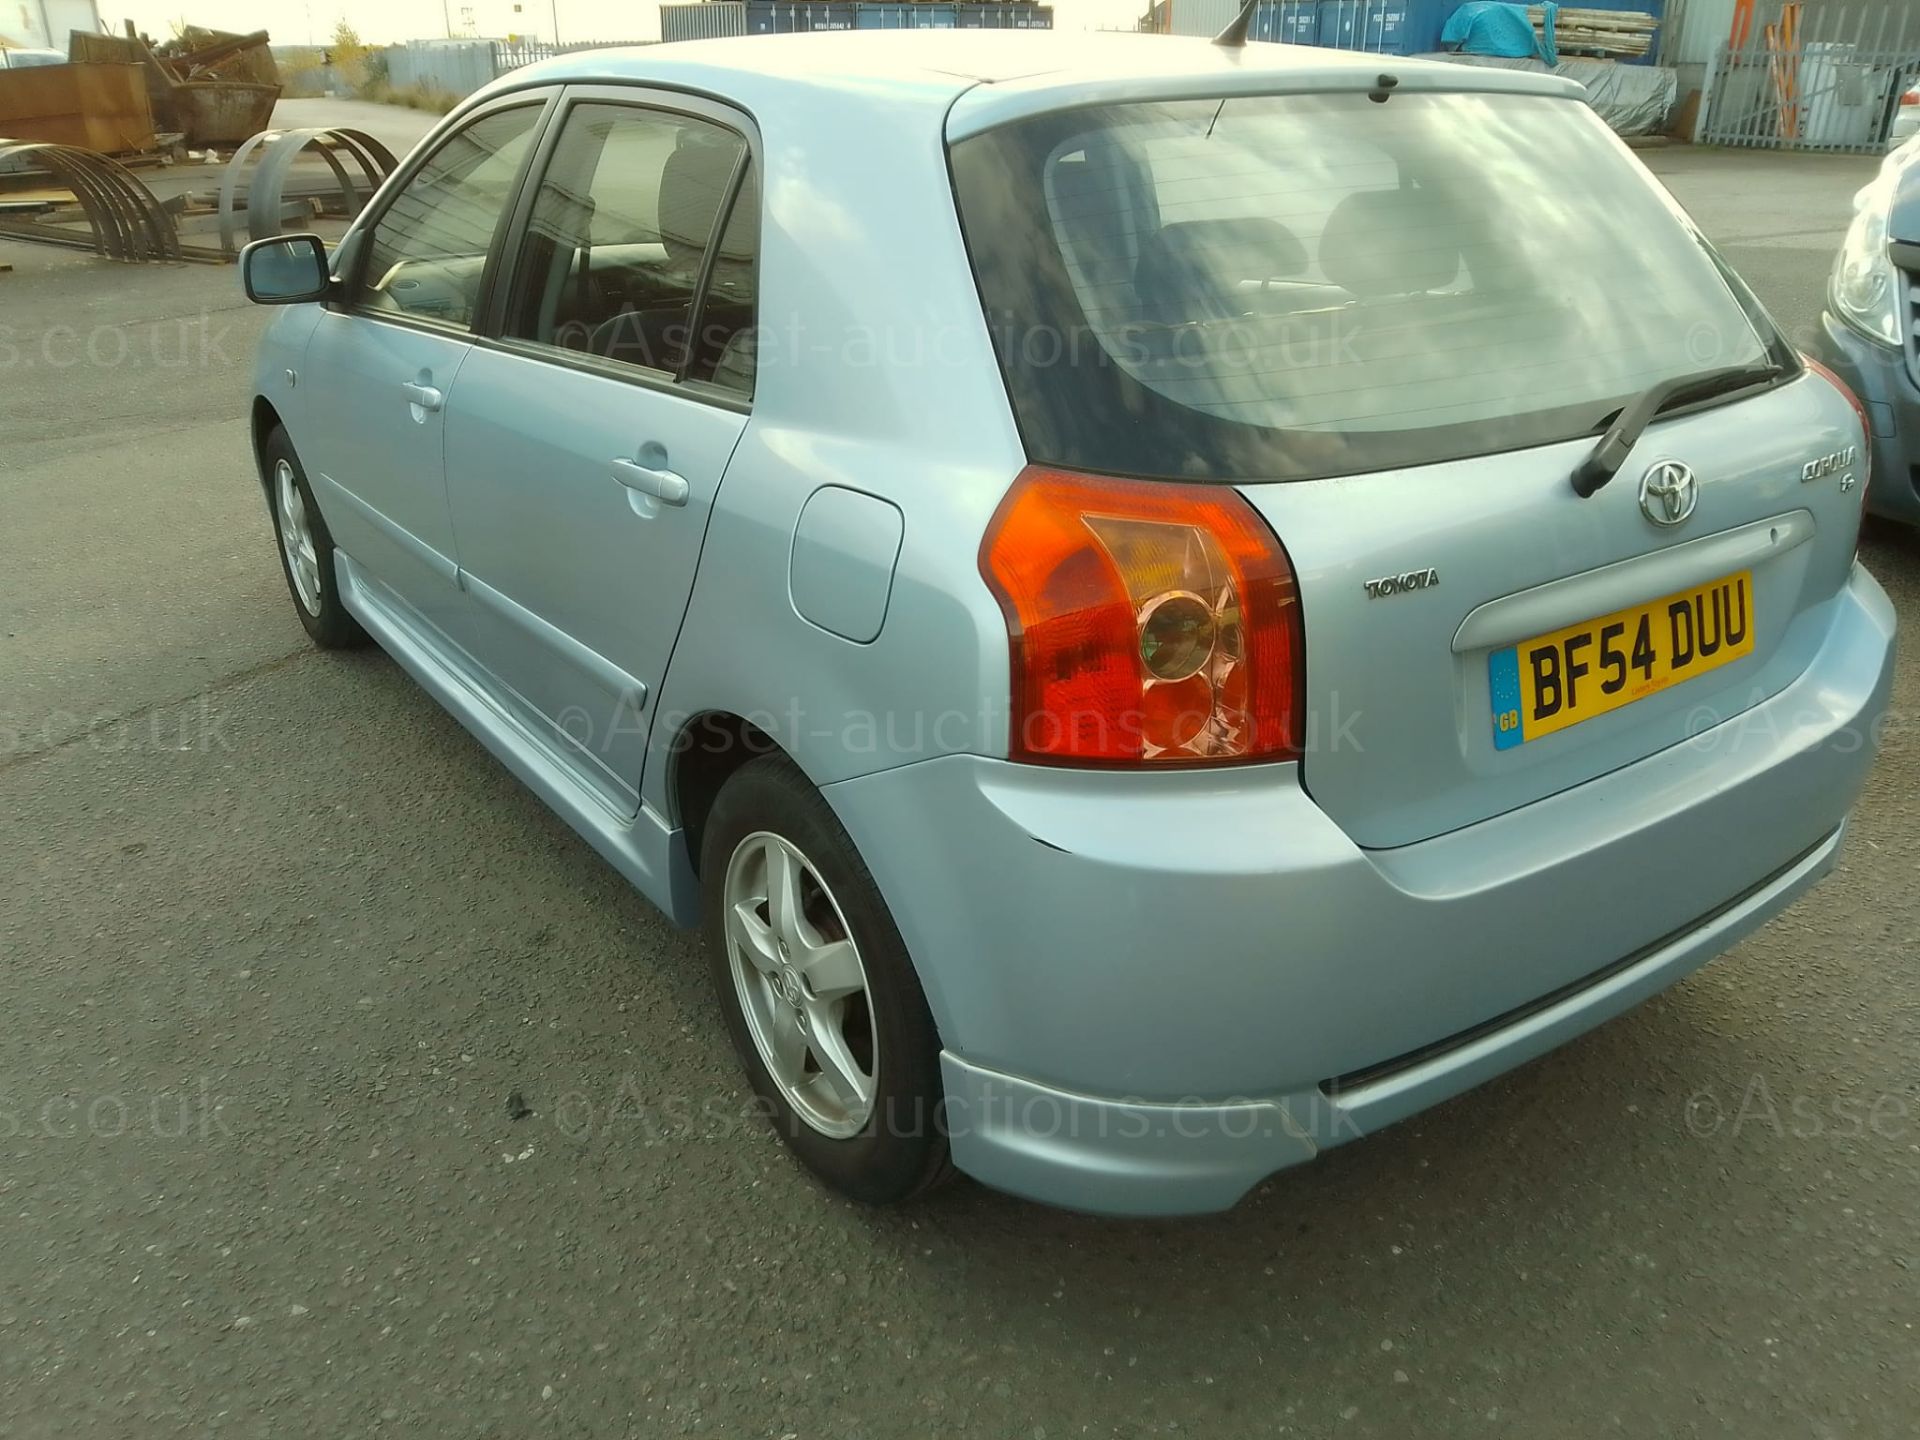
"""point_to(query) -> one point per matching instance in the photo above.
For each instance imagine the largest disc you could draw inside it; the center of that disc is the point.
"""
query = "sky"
(299, 22)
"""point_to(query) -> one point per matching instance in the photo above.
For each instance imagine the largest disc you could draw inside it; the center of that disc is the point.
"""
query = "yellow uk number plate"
(1553, 681)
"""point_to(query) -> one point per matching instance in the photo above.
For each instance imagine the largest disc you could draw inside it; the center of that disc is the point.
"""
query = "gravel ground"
(282, 940)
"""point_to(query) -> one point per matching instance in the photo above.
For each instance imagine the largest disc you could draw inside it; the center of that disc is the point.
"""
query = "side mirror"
(285, 270)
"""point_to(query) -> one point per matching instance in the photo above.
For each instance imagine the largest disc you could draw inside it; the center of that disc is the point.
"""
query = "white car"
(1906, 119)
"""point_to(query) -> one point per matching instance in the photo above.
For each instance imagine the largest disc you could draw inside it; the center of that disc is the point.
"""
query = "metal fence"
(460, 67)
(512, 54)
(1832, 82)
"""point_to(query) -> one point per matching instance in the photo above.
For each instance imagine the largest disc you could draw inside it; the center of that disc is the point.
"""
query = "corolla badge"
(1668, 493)
(1840, 463)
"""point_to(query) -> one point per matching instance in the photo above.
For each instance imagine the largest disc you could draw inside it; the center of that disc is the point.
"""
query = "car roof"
(1005, 73)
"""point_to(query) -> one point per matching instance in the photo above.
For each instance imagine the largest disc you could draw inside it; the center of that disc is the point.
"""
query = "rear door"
(590, 430)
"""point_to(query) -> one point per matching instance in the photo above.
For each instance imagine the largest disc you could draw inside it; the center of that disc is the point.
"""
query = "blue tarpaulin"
(1488, 27)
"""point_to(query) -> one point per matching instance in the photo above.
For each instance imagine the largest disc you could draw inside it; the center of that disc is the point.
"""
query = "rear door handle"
(665, 486)
(425, 396)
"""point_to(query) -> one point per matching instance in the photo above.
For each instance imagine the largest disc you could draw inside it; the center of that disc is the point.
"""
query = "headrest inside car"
(692, 185)
(1391, 242)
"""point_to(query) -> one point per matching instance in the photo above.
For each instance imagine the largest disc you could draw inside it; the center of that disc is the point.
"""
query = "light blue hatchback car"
(1166, 604)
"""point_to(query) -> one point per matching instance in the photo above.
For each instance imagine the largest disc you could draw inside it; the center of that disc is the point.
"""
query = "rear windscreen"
(1298, 286)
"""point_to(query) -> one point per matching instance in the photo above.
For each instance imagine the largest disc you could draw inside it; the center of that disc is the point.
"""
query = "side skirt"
(642, 847)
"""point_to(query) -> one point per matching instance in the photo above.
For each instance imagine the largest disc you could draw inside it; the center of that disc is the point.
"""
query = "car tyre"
(816, 984)
(306, 549)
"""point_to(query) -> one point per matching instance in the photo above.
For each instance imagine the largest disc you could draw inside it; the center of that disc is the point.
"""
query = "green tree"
(349, 54)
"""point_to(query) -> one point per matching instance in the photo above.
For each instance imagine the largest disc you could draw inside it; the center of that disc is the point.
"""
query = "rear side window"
(726, 347)
(623, 228)
(1289, 287)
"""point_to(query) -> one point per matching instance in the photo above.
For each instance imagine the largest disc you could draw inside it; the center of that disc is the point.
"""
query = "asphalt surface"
(281, 940)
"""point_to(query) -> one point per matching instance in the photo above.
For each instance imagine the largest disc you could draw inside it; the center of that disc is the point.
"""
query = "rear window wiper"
(1625, 431)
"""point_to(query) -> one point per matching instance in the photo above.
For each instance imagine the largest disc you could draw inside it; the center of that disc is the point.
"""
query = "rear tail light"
(1859, 410)
(1148, 623)
(1866, 436)
(1912, 97)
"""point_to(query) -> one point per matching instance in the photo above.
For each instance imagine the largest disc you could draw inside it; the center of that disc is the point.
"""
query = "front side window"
(426, 253)
(619, 240)
(1296, 286)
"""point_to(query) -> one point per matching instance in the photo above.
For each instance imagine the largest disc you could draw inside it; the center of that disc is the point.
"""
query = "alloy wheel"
(801, 984)
(296, 537)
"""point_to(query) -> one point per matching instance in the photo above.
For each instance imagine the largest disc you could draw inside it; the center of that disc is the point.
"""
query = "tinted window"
(427, 251)
(618, 239)
(1312, 285)
(727, 351)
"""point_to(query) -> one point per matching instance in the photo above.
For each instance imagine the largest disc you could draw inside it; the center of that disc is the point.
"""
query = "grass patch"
(414, 97)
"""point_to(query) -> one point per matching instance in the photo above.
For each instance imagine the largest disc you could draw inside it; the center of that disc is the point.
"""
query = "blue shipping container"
(1425, 19)
(794, 19)
(1379, 26)
(1386, 27)
(931, 16)
(1005, 17)
(1287, 22)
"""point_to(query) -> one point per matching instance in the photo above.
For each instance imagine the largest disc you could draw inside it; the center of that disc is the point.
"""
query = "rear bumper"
(1133, 1158)
(1156, 989)
(1878, 374)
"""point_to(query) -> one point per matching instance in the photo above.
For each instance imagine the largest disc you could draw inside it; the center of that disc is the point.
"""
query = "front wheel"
(306, 549)
(820, 998)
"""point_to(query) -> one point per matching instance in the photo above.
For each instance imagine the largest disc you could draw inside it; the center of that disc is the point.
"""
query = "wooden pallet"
(1608, 34)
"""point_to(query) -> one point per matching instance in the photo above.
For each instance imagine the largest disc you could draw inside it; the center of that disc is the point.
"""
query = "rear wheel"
(820, 997)
(306, 549)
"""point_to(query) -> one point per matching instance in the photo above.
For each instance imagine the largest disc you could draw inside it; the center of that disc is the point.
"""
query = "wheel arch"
(705, 752)
(265, 420)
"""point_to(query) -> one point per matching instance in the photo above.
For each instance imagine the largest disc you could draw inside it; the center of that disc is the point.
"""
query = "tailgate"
(1402, 737)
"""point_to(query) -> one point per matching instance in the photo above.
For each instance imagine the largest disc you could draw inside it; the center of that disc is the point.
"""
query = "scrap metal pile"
(62, 127)
(76, 199)
(213, 89)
